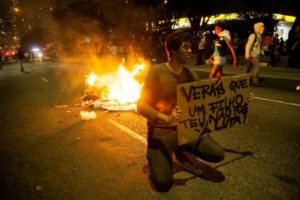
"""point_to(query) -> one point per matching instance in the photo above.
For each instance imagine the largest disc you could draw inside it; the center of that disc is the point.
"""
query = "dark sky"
(31, 7)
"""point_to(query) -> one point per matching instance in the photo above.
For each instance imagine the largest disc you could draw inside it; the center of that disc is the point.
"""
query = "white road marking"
(277, 101)
(44, 79)
(128, 131)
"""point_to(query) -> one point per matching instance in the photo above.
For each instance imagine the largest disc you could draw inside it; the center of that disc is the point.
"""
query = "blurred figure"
(281, 46)
(219, 56)
(26, 56)
(20, 56)
(209, 38)
(1, 60)
(201, 48)
(295, 49)
(274, 50)
(235, 44)
(253, 51)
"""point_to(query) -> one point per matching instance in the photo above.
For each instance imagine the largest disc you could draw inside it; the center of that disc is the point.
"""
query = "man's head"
(259, 28)
(179, 46)
(219, 27)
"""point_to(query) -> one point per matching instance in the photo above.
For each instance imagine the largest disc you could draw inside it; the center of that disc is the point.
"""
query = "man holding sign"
(158, 103)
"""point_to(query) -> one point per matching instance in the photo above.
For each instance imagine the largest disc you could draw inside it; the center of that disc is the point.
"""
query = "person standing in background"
(201, 48)
(295, 49)
(274, 48)
(20, 56)
(1, 60)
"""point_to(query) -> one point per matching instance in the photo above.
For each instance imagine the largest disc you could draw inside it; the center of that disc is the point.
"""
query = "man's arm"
(249, 45)
(149, 95)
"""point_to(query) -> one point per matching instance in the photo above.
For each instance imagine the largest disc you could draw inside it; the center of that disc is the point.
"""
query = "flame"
(91, 79)
(120, 87)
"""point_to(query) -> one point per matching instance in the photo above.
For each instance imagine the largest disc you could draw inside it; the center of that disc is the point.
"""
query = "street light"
(16, 10)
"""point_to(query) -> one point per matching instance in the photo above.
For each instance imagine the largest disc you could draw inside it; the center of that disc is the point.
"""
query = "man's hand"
(175, 115)
(172, 118)
(209, 61)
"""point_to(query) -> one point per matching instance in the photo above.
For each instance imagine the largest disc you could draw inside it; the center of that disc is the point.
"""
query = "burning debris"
(117, 91)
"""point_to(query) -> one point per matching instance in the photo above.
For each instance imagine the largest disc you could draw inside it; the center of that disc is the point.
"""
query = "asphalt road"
(48, 152)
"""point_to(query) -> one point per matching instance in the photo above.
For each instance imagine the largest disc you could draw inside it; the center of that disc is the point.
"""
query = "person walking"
(158, 103)
(253, 51)
(219, 56)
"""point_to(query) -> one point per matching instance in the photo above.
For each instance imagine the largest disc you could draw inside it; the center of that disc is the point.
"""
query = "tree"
(4, 9)
(78, 20)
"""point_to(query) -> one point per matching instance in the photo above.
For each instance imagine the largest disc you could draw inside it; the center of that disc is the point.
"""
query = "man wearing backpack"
(253, 51)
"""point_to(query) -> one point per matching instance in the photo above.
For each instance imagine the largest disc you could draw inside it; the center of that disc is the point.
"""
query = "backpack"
(255, 38)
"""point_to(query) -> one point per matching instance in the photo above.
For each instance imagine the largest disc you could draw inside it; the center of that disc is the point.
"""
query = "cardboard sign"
(212, 105)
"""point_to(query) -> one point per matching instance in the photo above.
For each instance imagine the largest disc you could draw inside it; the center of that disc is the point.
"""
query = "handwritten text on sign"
(212, 105)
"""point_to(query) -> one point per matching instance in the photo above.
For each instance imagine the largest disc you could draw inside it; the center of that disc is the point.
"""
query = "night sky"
(30, 7)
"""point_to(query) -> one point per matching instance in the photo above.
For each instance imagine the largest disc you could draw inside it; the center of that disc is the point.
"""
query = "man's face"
(183, 54)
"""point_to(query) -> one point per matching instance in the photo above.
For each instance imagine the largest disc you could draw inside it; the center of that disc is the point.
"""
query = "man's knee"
(161, 184)
(218, 155)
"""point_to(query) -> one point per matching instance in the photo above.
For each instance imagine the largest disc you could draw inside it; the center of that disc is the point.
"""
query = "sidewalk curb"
(271, 73)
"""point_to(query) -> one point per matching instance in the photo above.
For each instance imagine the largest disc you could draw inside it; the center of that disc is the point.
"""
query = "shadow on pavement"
(209, 173)
(281, 84)
(241, 153)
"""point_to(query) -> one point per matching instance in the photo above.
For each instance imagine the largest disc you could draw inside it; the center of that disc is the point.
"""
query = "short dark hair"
(175, 40)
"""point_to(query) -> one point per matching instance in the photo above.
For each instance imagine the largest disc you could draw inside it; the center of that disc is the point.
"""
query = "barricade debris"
(85, 115)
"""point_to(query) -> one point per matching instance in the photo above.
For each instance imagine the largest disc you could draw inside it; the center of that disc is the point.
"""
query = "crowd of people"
(273, 46)
(214, 48)
(222, 42)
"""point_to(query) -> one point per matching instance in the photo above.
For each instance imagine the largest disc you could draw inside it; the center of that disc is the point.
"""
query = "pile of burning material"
(113, 106)
(117, 91)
